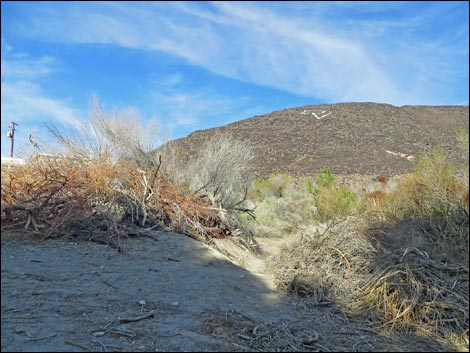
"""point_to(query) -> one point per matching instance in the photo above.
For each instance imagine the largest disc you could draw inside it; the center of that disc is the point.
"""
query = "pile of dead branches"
(51, 197)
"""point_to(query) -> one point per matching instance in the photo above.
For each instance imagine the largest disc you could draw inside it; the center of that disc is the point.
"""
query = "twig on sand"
(41, 338)
(138, 318)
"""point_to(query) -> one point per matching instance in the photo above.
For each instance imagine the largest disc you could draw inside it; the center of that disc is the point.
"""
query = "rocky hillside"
(349, 138)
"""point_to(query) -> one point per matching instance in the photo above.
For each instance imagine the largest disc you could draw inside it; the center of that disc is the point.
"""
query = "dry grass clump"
(409, 290)
(401, 290)
(327, 265)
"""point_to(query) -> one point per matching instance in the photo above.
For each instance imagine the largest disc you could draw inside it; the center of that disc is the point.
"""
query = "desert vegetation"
(396, 256)
(105, 184)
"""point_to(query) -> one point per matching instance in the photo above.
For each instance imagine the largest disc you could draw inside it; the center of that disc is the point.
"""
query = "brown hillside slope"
(347, 137)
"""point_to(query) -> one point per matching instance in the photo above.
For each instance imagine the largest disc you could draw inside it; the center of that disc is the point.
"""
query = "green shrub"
(431, 190)
(333, 202)
(324, 178)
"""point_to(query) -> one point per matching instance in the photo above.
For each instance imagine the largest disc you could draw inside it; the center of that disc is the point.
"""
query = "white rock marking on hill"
(321, 113)
(401, 155)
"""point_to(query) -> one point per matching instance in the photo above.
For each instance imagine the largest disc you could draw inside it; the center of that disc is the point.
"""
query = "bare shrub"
(129, 136)
(220, 172)
(118, 137)
(174, 165)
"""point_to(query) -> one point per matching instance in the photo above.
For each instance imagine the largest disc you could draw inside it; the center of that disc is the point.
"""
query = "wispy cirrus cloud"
(23, 98)
(337, 51)
(193, 107)
(25, 101)
(20, 66)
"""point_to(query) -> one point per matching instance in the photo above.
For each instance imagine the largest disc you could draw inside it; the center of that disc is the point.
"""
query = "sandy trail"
(73, 295)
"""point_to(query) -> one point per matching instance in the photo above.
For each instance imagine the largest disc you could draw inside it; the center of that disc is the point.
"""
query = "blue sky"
(196, 65)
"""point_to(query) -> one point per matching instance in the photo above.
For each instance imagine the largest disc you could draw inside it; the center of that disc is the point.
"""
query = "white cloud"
(171, 81)
(21, 66)
(24, 99)
(181, 108)
(331, 51)
(189, 108)
(25, 102)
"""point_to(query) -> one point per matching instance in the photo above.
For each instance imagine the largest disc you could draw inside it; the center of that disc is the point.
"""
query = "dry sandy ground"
(73, 295)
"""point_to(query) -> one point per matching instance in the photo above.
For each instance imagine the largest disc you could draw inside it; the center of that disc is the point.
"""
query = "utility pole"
(11, 134)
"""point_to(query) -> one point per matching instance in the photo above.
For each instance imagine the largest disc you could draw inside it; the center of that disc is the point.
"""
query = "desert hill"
(349, 138)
